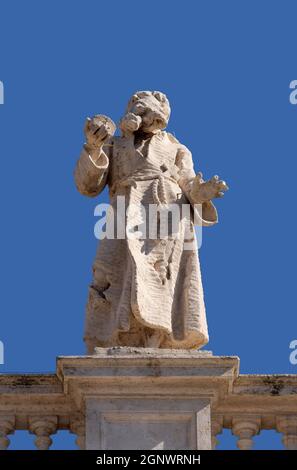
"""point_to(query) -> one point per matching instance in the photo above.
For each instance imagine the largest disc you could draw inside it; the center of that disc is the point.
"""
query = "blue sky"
(226, 67)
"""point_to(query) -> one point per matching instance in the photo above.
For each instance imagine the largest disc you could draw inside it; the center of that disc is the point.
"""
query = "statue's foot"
(154, 339)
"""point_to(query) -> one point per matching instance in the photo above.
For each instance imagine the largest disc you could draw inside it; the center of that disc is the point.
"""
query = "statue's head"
(148, 111)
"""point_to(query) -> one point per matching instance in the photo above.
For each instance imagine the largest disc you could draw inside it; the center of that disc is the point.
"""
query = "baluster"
(7, 426)
(287, 425)
(245, 429)
(43, 427)
(77, 426)
(216, 428)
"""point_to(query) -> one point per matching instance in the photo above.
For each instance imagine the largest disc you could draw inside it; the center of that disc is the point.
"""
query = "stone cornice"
(266, 401)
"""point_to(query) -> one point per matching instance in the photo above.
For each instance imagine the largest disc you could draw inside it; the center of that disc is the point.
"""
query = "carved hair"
(155, 100)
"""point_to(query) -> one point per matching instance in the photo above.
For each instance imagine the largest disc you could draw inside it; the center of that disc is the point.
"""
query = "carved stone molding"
(245, 404)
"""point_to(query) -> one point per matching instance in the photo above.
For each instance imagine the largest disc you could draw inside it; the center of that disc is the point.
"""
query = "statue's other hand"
(203, 191)
(97, 130)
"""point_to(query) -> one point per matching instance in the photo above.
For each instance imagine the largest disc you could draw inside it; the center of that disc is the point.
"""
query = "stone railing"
(245, 404)
(259, 402)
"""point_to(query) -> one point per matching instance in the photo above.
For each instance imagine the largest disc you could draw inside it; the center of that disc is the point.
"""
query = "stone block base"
(137, 399)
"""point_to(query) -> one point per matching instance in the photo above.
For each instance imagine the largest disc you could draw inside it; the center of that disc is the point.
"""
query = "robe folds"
(144, 282)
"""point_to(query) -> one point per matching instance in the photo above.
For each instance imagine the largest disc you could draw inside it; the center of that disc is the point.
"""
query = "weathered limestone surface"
(146, 291)
(141, 398)
(157, 394)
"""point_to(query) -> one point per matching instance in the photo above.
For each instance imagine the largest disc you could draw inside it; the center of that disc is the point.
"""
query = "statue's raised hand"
(97, 130)
(130, 123)
(203, 191)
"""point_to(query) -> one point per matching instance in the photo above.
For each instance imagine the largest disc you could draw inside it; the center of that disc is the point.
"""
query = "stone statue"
(146, 292)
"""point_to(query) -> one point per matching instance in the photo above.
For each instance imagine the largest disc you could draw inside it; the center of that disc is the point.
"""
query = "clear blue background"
(226, 68)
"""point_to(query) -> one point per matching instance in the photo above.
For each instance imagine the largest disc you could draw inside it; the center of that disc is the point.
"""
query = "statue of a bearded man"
(146, 291)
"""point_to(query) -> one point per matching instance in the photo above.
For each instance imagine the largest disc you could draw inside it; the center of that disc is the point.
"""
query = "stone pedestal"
(135, 398)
